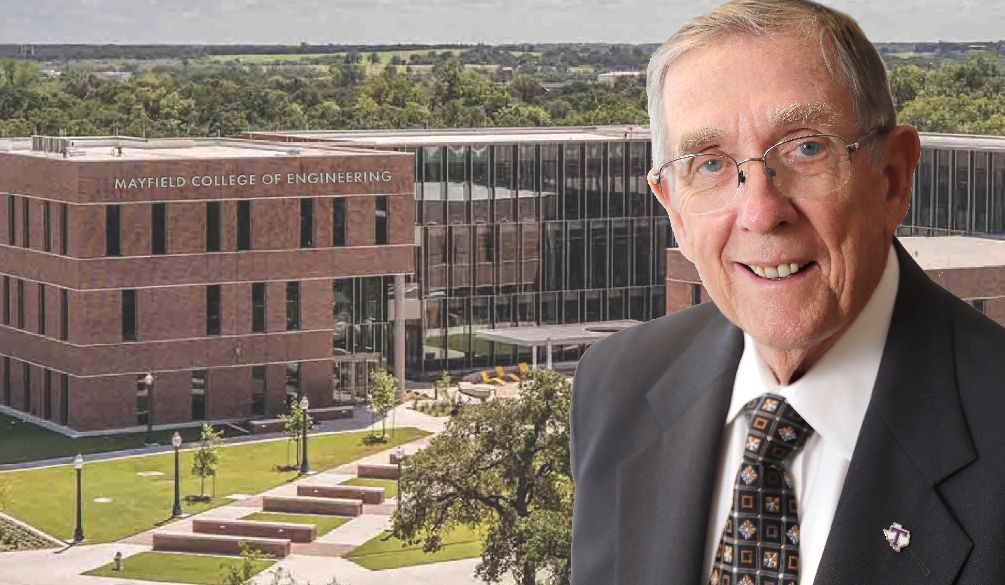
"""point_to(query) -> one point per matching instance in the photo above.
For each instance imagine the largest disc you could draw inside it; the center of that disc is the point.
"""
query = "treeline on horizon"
(965, 96)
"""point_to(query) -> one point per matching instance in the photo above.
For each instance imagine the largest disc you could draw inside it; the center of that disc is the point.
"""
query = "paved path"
(317, 563)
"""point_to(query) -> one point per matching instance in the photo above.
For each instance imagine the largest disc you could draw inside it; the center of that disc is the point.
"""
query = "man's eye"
(711, 166)
(810, 148)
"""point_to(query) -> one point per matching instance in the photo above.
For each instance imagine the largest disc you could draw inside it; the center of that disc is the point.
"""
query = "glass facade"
(957, 191)
(530, 233)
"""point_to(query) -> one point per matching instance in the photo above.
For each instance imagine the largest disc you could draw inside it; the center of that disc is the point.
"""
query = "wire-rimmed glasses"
(812, 165)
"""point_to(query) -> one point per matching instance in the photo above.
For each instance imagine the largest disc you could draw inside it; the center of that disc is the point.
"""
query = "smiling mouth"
(780, 272)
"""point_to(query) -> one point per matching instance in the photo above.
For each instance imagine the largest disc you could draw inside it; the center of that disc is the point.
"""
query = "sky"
(444, 21)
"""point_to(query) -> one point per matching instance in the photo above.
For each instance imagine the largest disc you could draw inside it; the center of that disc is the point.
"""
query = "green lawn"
(45, 498)
(325, 524)
(174, 568)
(390, 486)
(377, 554)
(21, 441)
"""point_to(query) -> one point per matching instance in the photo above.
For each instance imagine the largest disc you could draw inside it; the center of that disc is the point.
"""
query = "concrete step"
(281, 530)
(377, 470)
(363, 493)
(312, 505)
(219, 544)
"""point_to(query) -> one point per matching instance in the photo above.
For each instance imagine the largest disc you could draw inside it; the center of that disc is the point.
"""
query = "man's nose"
(762, 207)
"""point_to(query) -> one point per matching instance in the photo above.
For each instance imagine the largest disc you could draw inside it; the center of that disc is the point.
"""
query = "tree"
(243, 573)
(502, 466)
(442, 383)
(207, 458)
(382, 390)
(293, 425)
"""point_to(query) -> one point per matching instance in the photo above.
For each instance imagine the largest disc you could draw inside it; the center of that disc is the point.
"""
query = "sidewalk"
(319, 567)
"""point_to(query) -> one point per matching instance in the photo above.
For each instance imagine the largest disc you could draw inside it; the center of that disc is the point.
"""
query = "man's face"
(739, 96)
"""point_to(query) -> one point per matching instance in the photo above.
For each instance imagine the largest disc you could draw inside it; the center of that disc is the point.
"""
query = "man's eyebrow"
(808, 114)
(693, 140)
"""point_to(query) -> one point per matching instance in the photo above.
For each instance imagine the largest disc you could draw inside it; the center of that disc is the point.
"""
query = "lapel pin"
(897, 536)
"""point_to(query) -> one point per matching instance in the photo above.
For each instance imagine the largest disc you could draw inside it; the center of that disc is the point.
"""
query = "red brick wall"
(102, 403)
(186, 227)
(228, 393)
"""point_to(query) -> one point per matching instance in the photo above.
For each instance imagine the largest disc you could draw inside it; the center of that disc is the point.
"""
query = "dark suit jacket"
(648, 411)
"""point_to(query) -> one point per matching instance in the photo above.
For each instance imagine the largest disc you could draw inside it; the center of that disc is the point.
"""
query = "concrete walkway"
(319, 567)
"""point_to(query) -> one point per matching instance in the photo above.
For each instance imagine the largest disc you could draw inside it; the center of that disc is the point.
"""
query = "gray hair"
(840, 40)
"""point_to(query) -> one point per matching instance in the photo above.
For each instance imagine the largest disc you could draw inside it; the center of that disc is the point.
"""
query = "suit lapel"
(914, 435)
(664, 491)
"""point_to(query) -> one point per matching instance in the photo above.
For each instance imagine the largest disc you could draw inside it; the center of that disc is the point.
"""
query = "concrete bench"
(275, 425)
(281, 530)
(312, 505)
(363, 493)
(377, 470)
(393, 458)
(219, 544)
(480, 391)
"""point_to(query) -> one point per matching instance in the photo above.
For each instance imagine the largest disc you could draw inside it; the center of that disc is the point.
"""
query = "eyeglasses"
(811, 166)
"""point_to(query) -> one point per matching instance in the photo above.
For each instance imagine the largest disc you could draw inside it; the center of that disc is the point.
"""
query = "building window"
(258, 307)
(47, 395)
(306, 223)
(6, 380)
(11, 206)
(47, 227)
(112, 231)
(338, 222)
(20, 304)
(142, 400)
(6, 300)
(26, 378)
(198, 395)
(64, 314)
(257, 390)
(213, 309)
(292, 383)
(213, 226)
(64, 399)
(129, 315)
(695, 294)
(158, 221)
(41, 309)
(25, 222)
(244, 225)
(64, 228)
(380, 220)
(292, 305)
(981, 305)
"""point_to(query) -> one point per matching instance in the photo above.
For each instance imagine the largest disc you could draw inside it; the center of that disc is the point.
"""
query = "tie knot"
(776, 430)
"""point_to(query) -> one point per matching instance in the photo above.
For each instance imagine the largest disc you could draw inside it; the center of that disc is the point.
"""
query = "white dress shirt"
(832, 397)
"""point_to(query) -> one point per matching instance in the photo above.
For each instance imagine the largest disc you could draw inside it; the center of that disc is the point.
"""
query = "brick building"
(217, 265)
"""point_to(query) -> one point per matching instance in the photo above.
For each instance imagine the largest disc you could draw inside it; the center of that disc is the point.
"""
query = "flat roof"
(937, 253)
(463, 136)
(467, 136)
(569, 333)
(89, 149)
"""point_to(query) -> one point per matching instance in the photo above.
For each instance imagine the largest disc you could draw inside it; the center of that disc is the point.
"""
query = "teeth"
(780, 271)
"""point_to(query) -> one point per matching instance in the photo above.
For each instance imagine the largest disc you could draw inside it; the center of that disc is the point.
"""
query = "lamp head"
(304, 403)
(78, 461)
(176, 440)
(148, 379)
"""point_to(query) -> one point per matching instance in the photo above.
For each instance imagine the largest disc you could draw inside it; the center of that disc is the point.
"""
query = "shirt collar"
(834, 394)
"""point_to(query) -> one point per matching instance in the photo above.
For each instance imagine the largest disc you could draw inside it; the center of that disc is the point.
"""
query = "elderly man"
(832, 416)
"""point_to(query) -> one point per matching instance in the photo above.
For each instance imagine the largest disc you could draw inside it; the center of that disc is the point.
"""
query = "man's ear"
(675, 219)
(901, 151)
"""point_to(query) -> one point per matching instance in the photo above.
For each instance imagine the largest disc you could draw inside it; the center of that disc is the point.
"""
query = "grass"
(325, 524)
(45, 498)
(377, 554)
(174, 568)
(21, 442)
(390, 486)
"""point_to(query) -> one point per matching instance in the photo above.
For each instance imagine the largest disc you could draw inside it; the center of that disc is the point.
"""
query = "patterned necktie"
(760, 541)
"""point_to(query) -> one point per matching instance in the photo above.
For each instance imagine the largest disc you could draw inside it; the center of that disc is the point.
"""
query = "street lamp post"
(399, 452)
(176, 443)
(305, 468)
(78, 532)
(149, 381)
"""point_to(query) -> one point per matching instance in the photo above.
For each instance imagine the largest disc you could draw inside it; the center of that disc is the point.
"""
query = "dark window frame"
(64, 399)
(47, 395)
(306, 222)
(113, 230)
(11, 220)
(197, 406)
(20, 303)
(64, 314)
(212, 226)
(244, 239)
(6, 300)
(129, 315)
(26, 378)
(47, 227)
(64, 228)
(26, 222)
(293, 305)
(338, 222)
(158, 228)
(214, 309)
(380, 220)
(259, 307)
(41, 309)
